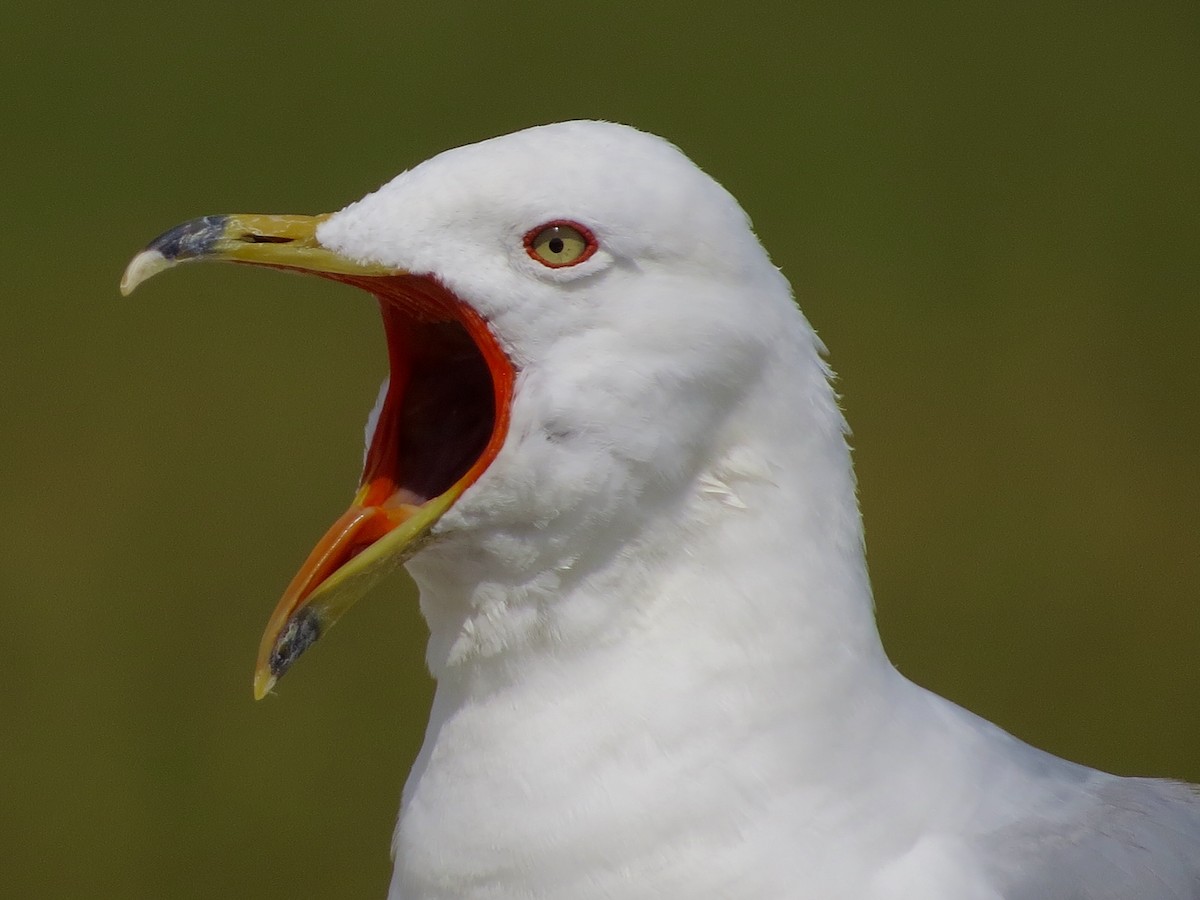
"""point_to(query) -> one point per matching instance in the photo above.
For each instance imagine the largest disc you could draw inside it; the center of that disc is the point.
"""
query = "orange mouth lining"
(443, 419)
(442, 422)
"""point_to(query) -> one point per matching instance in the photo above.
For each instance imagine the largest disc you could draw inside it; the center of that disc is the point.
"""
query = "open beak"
(442, 421)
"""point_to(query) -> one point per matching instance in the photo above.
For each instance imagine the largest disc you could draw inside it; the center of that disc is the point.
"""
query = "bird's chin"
(442, 420)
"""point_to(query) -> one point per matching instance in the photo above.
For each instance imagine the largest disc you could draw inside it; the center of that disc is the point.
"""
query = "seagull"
(609, 454)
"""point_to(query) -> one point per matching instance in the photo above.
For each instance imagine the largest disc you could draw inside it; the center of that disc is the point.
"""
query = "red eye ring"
(560, 243)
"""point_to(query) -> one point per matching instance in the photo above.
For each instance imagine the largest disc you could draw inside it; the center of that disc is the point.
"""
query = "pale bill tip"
(145, 265)
(263, 682)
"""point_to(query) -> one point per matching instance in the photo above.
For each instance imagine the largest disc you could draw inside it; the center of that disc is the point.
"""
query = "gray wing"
(1125, 839)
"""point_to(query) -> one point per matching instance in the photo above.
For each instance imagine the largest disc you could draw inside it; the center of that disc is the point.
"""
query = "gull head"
(573, 314)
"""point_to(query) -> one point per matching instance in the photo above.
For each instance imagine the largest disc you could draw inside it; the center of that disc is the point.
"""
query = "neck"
(756, 533)
(733, 623)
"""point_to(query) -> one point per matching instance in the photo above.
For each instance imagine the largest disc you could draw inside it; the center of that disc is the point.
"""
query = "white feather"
(643, 693)
(373, 417)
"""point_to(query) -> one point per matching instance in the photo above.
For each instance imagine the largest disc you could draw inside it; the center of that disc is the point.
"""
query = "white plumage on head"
(622, 484)
(658, 670)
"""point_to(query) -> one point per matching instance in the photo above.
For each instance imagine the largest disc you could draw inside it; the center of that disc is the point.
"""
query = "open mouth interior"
(443, 419)
(437, 415)
(438, 418)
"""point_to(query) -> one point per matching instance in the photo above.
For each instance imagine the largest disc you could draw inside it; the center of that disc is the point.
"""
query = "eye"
(559, 244)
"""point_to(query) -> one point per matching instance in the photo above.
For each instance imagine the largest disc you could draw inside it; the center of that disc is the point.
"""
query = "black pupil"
(556, 245)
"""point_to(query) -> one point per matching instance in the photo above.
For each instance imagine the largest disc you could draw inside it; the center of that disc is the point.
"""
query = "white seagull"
(609, 455)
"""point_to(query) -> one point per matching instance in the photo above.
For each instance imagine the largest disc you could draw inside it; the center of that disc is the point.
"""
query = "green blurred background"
(988, 211)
